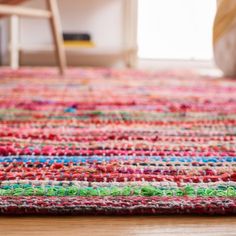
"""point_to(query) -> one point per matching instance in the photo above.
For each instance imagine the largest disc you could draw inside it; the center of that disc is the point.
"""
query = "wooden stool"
(9, 8)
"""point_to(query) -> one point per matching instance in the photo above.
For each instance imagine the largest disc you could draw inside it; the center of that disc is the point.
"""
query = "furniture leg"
(57, 34)
(14, 49)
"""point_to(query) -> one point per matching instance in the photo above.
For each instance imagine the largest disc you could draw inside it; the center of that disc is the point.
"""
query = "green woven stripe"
(28, 190)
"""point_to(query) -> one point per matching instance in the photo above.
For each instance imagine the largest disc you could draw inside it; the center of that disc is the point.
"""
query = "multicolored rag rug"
(104, 141)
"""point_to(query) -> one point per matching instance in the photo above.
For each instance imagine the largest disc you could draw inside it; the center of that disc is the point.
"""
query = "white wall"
(182, 31)
(102, 18)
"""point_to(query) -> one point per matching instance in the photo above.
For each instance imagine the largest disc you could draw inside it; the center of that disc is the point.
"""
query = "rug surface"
(106, 141)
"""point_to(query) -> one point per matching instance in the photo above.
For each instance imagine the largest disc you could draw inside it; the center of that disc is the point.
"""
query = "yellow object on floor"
(86, 44)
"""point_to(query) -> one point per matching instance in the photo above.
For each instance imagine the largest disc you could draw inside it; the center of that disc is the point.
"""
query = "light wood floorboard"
(113, 226)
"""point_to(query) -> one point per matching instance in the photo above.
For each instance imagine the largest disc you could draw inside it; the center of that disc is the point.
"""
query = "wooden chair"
(11, 8)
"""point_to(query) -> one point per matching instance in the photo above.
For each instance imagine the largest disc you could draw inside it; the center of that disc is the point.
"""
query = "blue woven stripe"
(84, 159)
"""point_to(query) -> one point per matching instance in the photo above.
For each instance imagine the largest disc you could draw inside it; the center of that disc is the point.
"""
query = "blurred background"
(139, 33)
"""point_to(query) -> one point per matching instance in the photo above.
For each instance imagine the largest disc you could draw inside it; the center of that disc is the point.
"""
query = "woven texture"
(116, 142)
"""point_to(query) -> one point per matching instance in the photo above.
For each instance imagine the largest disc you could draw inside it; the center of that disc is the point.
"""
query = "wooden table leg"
(57, 34)
(14, 47)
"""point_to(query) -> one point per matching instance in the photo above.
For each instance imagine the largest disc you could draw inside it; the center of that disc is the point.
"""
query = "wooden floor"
(113, 226)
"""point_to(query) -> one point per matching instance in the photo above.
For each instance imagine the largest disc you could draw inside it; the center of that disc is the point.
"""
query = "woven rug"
(112, 142)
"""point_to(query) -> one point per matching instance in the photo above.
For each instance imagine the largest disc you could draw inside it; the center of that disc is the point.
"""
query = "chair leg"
(14, 47)
(57, 34)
